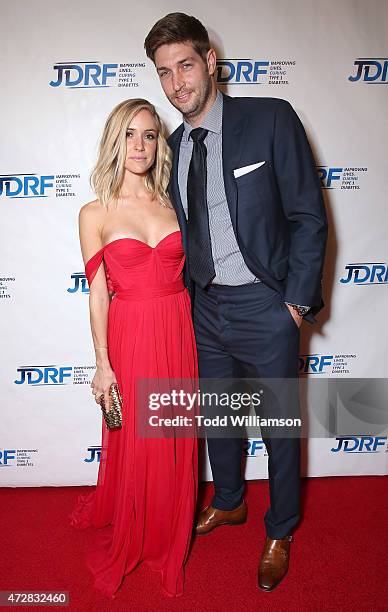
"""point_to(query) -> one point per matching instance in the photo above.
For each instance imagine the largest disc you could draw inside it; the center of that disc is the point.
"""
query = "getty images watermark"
(216, 407)
(233, 401)
(281, 407)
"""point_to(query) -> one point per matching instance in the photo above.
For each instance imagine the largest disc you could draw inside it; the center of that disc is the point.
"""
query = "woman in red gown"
(142, 509)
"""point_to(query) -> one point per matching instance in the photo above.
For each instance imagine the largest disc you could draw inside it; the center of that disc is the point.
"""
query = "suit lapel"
(233, 137)
(174, 186)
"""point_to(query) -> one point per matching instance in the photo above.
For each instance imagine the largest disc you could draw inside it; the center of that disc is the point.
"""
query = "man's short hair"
(177, 28)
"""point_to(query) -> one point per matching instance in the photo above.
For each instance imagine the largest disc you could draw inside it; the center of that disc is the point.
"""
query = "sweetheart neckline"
(136, 240)
(142, 241)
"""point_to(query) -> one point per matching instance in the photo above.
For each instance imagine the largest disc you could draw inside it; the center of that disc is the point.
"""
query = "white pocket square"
(245, 169)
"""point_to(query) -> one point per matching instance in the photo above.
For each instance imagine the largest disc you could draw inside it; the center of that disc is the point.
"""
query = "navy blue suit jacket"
(277, 210)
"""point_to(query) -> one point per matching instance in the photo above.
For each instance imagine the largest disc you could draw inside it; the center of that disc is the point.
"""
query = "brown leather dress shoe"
(274, 562)
(210, 517)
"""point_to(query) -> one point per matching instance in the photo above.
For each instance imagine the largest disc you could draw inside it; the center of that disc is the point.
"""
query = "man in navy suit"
(249, 204)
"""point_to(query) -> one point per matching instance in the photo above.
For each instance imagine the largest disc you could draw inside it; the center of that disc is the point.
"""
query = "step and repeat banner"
(64, 66)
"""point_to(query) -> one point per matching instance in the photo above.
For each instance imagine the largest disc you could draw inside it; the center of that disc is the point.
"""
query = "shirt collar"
(212, 121)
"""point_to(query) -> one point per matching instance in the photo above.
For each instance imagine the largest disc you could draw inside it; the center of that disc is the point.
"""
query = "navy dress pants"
(248, 331)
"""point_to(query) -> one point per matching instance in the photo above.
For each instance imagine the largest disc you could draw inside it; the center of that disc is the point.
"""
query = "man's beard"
(198, 105)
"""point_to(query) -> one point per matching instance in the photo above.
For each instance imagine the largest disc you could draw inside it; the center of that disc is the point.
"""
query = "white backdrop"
(64, 66)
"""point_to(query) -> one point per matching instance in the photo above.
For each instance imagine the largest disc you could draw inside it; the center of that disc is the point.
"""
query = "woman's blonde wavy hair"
(108, 175)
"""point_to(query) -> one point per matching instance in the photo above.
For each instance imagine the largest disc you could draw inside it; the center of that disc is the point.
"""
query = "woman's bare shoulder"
(91, 221)
(92, 212)
(92, 208)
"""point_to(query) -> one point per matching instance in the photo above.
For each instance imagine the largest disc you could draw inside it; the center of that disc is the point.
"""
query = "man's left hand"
(297, 318)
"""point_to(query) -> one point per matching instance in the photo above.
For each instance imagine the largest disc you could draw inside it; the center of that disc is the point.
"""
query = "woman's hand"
(101, 383)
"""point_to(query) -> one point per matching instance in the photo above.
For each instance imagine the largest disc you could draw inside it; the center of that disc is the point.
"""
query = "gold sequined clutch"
(113, 417)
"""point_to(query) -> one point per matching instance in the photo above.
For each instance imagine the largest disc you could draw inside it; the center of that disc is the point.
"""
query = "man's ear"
(211, 61)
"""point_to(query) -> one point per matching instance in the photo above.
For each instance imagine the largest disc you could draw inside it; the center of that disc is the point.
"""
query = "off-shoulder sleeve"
(93, 264)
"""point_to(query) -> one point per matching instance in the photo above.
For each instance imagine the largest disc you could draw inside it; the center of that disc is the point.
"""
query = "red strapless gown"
(142, 508)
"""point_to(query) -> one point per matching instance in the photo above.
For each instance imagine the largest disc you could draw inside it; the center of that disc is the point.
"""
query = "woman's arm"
(90, 225)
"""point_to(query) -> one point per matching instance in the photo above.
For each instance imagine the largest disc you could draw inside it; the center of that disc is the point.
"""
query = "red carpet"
(339, 557)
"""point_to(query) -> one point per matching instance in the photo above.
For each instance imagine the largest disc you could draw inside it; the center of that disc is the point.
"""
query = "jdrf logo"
(252, 448)
(6, 456)
(314, 364)
(83, 74)
(43, 375)
(25, 185)
(80, 282)
(95, 454)
(329, 176)
(366, 274)
(359, 444)
(240, 71)
(371, 70)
